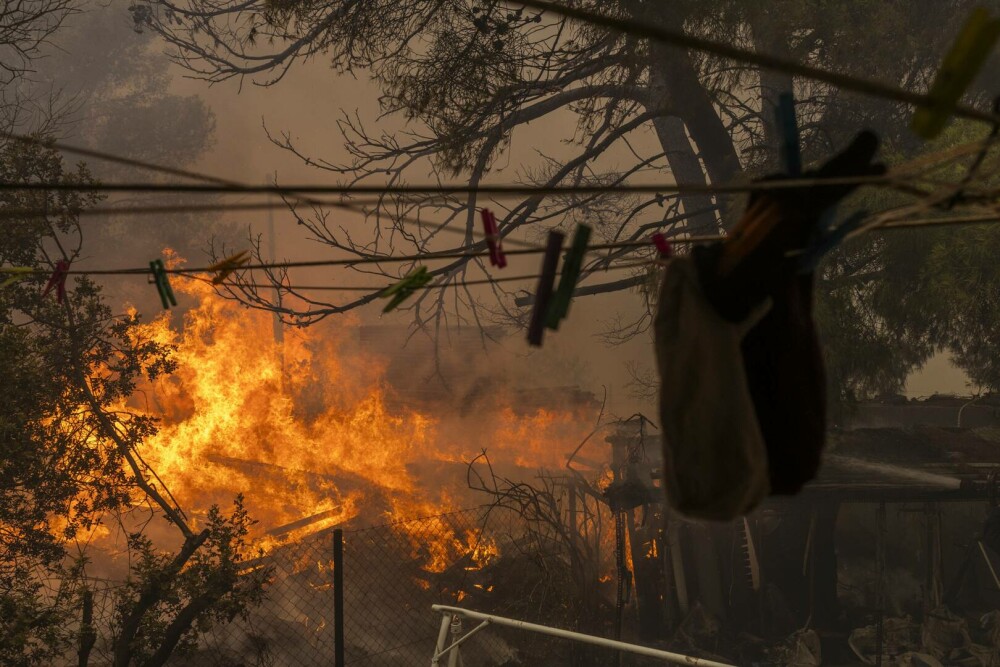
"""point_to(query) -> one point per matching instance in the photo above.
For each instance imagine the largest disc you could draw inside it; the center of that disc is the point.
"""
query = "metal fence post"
(338, 597)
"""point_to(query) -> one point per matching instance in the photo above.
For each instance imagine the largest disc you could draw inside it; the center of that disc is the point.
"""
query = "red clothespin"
(493, 239)
(58, 280)
(663, 246)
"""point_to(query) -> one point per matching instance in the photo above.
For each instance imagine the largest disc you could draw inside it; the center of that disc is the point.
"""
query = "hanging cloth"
(714, 459)
(743, 386)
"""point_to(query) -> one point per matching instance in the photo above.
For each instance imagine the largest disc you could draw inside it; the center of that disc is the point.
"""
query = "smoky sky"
(306, 104)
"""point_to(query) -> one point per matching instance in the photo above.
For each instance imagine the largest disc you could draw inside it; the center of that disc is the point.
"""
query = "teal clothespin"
(402, 290)
(967, 56)
(788, 126)
(162, 283)
(559, 306)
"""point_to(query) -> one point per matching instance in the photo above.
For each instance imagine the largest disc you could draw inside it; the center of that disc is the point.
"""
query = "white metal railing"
(451, 623)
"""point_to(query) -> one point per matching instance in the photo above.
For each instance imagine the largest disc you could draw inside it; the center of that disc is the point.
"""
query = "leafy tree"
(71, 448)
(468, 76)
(112, 91)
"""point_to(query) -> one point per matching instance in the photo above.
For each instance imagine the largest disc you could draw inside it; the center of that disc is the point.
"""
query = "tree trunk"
(693, 136)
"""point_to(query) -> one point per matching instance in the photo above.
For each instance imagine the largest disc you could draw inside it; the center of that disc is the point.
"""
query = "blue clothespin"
(402, 290)
(829, 239)
(788, 126)
(162, 283)
(543, 294)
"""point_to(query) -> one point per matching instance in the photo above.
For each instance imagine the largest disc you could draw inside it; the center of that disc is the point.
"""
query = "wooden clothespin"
(402, 290)
(227, 266)
(967, 56)
(788, 126)
(493, 239)
(559, 306)
(58, 281)
(17, 273)
(162, 283)
(543, 294)
(663, 246)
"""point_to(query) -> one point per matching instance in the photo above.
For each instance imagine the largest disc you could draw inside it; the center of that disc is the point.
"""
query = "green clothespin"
(967, 56)
(17, 273)
(162, 283)
(402, 290)
(559, 306)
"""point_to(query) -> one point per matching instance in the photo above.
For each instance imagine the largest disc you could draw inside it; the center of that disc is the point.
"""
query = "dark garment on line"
(783, 363)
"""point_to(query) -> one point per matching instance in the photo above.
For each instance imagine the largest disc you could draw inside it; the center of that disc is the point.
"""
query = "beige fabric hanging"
(715, 458)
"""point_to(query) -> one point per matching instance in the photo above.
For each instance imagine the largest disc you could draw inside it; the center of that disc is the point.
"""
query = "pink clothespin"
(663, 246)
(493, 240)
(58, 280)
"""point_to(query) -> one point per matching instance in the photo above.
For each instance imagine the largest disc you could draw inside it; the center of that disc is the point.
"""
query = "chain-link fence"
(482, 559)
(489, 559)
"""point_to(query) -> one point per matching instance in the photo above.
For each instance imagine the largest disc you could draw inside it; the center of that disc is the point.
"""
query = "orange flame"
(302, 428)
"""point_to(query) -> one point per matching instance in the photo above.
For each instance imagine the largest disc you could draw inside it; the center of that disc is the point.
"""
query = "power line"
(503, 190)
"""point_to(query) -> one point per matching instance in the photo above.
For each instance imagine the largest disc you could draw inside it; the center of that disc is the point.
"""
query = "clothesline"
(375, 288)
(984, 218)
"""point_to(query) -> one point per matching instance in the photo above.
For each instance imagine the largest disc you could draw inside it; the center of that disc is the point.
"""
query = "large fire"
(302, 428)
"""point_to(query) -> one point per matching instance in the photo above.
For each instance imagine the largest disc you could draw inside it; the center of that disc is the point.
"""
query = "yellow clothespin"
(228, 265)
(967, 56)
(18, 273)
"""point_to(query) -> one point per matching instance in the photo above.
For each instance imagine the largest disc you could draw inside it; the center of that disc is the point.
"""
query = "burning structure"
(326, 428)
(557, 522)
